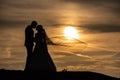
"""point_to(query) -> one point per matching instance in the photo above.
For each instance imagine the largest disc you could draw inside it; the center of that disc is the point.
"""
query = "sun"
(71, 33)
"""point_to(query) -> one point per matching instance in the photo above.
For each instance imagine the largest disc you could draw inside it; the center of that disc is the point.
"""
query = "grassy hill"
(81, 75)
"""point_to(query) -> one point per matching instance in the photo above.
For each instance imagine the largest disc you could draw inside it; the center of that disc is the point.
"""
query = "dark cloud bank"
(7, 20)
(102, 28)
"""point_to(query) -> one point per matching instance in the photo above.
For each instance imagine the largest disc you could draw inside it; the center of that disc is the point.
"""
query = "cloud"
(102, 28)
(20, 12)
(94, 1)
(26, 4)
(97, 15)
(5, 53)
(100, 5)
(117, 56)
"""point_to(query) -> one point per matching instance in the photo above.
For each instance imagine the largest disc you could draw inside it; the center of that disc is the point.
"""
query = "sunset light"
(73, 36)
(71, 33)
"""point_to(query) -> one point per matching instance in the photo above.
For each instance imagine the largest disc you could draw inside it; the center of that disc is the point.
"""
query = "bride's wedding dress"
(41, 60)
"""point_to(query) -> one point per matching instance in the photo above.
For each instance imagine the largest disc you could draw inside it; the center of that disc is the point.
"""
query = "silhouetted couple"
(38, 58)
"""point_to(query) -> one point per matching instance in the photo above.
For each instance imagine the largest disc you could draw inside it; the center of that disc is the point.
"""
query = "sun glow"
(71, 33)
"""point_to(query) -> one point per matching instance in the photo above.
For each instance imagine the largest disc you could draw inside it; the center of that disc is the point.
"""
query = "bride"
(41, 60)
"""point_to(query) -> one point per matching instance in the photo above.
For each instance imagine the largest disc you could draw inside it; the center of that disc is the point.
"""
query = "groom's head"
(33, 24)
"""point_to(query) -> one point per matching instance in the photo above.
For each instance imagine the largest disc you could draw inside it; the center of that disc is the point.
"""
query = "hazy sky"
(99, 15)
(102, 16)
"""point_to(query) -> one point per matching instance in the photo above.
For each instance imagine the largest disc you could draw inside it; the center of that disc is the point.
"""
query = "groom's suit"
(29, 43)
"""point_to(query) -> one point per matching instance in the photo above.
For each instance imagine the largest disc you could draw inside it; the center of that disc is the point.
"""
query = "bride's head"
(39, 28)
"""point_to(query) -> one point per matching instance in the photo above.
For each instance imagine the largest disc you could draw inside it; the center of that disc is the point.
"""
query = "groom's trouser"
(29, 57)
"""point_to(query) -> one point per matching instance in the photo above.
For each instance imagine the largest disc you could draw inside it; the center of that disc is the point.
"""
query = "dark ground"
(81, 75)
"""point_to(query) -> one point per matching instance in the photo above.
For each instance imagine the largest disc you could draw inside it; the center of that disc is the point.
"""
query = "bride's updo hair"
(39, 28)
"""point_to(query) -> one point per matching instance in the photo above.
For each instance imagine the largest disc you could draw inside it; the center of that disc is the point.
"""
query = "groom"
(29, 43)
